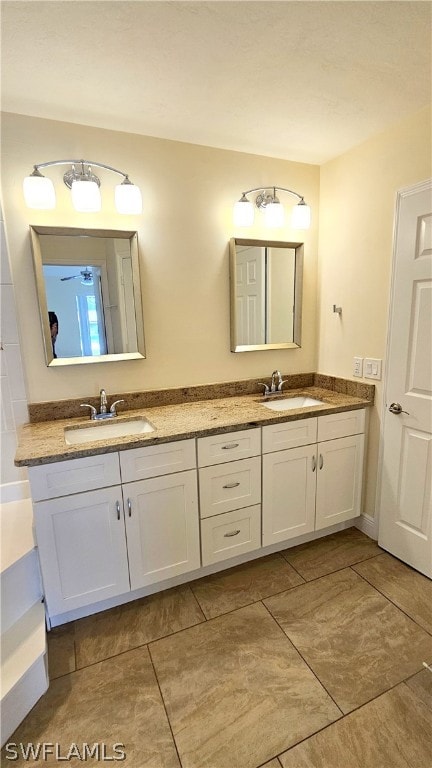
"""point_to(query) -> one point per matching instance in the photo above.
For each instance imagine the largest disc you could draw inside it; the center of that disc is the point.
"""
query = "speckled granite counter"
(44, 442)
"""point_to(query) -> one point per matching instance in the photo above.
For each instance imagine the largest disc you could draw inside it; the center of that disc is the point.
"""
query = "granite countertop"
(44, 442)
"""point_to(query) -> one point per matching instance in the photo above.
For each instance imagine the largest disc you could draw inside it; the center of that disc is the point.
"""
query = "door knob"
(397, 408)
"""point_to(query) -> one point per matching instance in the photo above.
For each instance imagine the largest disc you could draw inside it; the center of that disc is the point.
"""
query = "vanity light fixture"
(274, 213)
(39, 191)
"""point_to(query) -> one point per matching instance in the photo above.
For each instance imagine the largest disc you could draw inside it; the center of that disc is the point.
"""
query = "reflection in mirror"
(266, 294)
(89, 294)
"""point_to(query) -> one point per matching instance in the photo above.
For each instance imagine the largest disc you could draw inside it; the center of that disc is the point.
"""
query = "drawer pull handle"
(231, 485)
(313, 463)
(232, 533)
(129, 506)
(118, 509)
(321, 461)
(231, 445)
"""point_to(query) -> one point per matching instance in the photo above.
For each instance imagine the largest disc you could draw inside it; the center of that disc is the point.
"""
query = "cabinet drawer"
(218, 449)
(156, 460)
(291, 434)
(341, 424)
(230, 486)
(230, 534)
(62, 478)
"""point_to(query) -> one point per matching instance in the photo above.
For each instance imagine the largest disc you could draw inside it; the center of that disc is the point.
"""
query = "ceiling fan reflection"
(85, 275)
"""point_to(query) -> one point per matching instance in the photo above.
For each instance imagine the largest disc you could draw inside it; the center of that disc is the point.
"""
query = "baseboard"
(367, 525)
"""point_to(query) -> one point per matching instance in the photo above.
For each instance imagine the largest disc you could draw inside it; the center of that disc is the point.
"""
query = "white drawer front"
(62, 478)
(217, 449)
(341, 424)
(155, 460)
(291, 434)
(230, 534)
(230, 486)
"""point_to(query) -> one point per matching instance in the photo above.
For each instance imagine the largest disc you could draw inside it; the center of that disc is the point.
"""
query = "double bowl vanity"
(130, 506)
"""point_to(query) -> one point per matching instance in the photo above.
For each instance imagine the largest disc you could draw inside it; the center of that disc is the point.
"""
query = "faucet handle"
(266, 387)
(113, 407)
(93, 410)
(281, 383)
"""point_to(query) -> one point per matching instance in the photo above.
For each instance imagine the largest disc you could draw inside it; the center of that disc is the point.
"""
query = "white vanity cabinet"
(316, 484)
(80, 536)
(102, 543)
(230, 494)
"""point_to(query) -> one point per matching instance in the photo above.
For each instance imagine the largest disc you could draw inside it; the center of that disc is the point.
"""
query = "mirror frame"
(298, 291)
(132, 236)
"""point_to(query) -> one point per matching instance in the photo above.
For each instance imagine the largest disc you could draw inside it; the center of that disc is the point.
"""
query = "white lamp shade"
(128, 199)
(274, 215)
(39, 192)
(86, 196)
(301, 216)
(243, 214)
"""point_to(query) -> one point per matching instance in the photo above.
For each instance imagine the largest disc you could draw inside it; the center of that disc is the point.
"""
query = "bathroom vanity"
(214, 483)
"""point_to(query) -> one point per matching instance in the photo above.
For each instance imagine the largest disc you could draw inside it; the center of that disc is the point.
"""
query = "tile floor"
(311, 658)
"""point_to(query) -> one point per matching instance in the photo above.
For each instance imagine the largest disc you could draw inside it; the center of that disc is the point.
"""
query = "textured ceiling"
(298, 80)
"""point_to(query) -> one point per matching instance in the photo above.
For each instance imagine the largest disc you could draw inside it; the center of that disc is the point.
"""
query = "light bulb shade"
(86, 196)
(274, 214)
(301, 216)
(128, 199)
(39, 192)
(243, 214)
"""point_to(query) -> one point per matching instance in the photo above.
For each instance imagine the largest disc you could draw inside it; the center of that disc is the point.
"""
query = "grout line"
(164, 705)
(302, 657)
(336, 570)
(206, 618)
(391, 601)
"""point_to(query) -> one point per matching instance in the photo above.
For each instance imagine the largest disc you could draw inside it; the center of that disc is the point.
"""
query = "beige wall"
(188, 193)
(358, 192)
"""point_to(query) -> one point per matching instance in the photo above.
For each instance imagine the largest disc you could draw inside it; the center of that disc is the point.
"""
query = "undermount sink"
(289, 403)
(106, 430)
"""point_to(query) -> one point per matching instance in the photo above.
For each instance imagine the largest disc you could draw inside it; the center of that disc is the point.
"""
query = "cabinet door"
(162, 527)
(82, 548)
(339, 480)
(289, 480)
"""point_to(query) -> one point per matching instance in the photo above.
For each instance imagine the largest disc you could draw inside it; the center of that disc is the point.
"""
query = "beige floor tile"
(61, 650)
(237, 692)
(405, 587)
(128, 626)
(357, 642)
(421, 684)
(331, 553)
(393, 731)
(272, 764)
(244, 584)
(114, 702)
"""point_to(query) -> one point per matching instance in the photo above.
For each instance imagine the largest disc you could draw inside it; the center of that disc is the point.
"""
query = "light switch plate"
(358, 367)
(372, 368)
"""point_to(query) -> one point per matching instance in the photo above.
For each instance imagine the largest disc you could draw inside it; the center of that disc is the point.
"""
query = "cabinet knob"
(118, 509)
(129, 506)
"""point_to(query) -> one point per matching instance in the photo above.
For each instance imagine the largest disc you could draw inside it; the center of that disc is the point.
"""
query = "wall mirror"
(88, 284)
(266, 280)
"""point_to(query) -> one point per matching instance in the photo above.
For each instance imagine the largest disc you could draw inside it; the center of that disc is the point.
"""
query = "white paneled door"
(405, 504)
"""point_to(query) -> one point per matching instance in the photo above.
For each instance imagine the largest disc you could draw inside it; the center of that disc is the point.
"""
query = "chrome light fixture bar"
(274, 213)
(39, 191)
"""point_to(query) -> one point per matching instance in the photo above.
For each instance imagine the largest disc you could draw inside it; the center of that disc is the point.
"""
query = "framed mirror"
(266, 282)
(89, 294)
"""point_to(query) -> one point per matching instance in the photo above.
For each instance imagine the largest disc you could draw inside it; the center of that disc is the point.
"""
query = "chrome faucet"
(276, 375)
(103, 414)
(103, 402)
(276, 385)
